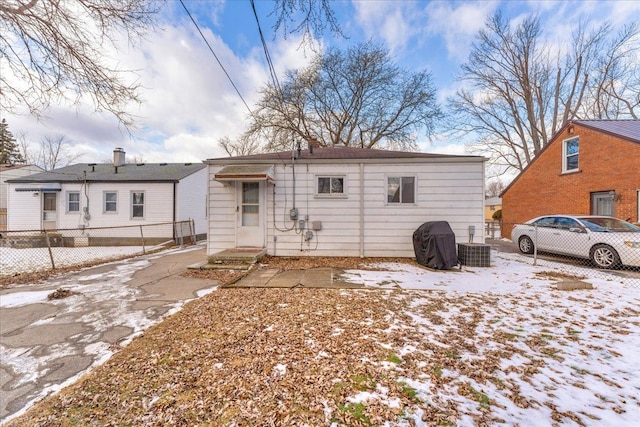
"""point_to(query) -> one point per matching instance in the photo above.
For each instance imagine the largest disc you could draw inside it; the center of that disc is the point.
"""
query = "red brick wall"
(605, 163)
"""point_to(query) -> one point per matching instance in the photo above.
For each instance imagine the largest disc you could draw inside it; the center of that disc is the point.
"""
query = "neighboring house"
(110, 195)
(341, 201)
(491, 205)
(10, 171)
(588, 167)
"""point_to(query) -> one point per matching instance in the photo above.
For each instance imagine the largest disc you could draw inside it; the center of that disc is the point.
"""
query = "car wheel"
(604, 256)
(525, 244)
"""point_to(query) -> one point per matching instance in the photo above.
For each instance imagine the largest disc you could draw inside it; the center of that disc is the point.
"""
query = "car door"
(570, 237)
(543, 229)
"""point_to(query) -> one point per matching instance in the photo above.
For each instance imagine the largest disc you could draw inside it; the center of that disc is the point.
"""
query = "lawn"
(372, 357)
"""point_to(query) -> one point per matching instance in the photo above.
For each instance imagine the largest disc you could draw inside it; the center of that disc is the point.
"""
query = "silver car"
(608, 242)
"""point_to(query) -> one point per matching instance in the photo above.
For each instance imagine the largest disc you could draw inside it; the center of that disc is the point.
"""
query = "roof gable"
(628, 130)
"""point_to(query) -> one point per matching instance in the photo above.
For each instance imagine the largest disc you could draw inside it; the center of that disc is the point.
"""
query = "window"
(73, 201)
(137, 204)
(250, 204)
(110, 201)
(331, 185)
(570, 154)
(401, 189)
(547, 221)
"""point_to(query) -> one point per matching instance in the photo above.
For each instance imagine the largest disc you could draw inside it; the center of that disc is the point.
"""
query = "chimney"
(118, 157)
(312, 142)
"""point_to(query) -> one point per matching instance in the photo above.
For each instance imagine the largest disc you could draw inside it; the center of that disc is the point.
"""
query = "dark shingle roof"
(628, 129)
(106, 172)
(339, 153)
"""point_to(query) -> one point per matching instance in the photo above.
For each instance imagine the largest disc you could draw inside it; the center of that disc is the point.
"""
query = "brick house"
(588, 167)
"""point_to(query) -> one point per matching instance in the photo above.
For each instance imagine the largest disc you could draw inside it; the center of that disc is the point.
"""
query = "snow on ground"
(562, 355)
(573, 353)
(33, 259)
(101, 303)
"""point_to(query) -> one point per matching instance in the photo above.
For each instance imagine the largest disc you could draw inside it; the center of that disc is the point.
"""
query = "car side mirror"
(577, 230)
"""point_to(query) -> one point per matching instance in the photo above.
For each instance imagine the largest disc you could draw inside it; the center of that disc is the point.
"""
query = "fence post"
(46, 239)
(142, 238)
(535, 245)
(192, 230)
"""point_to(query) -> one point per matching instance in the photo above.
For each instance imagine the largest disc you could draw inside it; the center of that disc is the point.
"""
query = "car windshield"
(604, 224)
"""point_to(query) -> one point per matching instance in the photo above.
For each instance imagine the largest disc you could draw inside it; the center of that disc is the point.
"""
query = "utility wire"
(272, 70)
(216, 56)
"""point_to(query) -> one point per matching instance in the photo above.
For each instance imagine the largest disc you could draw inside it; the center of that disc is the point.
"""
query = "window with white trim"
(570, 154)
(401, 190)
(73, 201)
(137, 204)
(110, 202)
(330, 186)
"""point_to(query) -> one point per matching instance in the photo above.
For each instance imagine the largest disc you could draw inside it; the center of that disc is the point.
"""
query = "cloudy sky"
(189, 103)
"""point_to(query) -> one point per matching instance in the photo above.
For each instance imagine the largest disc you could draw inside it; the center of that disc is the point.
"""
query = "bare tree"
(494, 188)
(243, 146)
(357, 97)
(54, 50)
(519, 92)
(53, 151)
(306, 17)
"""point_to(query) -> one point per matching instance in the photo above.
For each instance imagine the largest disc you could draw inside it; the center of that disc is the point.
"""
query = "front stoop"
(234, 259)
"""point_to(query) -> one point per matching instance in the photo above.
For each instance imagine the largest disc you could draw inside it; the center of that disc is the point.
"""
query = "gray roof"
(628, 129)
(338, 153)
(107, 172)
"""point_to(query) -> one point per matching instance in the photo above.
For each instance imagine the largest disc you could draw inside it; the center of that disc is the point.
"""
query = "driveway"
(46, 344)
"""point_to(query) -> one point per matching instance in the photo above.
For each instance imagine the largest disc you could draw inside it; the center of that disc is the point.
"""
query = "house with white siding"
(91, 195)
(341, 201)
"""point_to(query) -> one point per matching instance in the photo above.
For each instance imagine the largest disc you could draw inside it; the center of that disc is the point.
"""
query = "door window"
(49, 210)
(250, 203)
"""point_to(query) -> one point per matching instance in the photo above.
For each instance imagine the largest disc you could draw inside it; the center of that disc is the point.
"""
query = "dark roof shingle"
(107, 172)
(338, 153)
(628, 129)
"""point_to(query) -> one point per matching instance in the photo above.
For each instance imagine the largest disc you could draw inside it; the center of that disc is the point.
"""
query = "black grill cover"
(435, 245)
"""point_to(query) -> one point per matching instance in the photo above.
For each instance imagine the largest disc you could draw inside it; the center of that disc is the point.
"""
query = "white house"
(341, 201)
(92, 195)
(10, 171)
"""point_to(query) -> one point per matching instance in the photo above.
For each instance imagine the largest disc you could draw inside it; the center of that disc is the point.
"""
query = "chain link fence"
(604, 248)
(27, 251)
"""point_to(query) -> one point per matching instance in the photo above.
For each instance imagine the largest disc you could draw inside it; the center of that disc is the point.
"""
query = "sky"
(515, 295)
(189, 103)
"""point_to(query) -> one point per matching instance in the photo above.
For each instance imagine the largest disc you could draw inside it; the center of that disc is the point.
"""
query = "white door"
(249, 210)
(49, 215)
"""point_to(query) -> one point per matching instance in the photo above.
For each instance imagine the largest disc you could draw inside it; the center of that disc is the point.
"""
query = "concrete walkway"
(46, 344)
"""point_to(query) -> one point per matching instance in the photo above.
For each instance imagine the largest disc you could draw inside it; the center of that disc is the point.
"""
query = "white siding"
(360, 224)
(25, 209)
(221, 214)
(192, 200)
(11, 173)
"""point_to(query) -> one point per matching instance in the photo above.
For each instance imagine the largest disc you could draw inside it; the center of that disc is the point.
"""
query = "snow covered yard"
(484, 346)
(14, 261)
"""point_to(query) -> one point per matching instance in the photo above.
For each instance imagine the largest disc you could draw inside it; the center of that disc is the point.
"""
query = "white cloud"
(457, 24)
(393, 22)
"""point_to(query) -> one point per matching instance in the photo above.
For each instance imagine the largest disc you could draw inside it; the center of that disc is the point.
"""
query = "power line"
(216, 56)
(272, 70)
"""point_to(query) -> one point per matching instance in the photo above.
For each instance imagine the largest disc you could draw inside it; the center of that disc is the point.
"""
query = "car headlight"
(635, 245)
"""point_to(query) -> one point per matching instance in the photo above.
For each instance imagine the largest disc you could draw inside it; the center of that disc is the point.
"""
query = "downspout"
(175, 191)
(361, 210)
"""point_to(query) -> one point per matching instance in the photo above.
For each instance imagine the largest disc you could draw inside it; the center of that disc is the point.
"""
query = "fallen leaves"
(321, 357)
